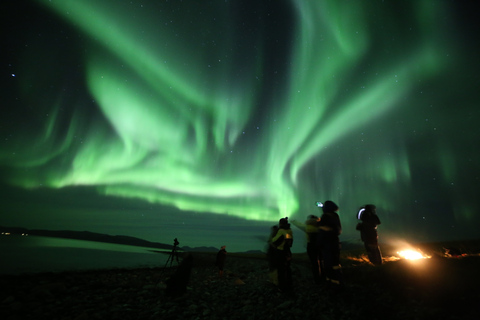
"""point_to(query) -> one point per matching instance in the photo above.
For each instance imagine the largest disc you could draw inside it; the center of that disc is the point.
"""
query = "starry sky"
(210, 120)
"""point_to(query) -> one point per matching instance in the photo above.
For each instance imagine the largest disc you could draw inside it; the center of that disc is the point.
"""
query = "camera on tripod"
(174, 253)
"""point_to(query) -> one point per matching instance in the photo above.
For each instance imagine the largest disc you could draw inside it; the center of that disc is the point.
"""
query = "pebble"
(244, 292)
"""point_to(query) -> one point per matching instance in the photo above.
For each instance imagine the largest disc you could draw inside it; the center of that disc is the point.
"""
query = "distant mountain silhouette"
(87, 235)
(100, 237)
(255, 252)
(199, 249)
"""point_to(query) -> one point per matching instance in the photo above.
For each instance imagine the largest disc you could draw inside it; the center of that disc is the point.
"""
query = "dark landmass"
(87, 235)
(442, 287)
(254, 252)
(199, 249)
(100, 237)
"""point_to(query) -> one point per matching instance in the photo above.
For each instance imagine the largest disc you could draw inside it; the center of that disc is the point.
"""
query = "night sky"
(210, 120)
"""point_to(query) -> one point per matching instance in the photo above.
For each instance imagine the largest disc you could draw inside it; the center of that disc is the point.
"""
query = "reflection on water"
(27, 254)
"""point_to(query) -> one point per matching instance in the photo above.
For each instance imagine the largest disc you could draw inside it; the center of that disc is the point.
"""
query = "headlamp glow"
(360, 212)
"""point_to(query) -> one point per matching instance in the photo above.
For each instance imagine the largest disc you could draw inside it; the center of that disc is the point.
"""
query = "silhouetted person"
(368, 233)
(220, 260)
(271, 248)
(283, 241)
(329, 242)
(311, 229)
(313, 250)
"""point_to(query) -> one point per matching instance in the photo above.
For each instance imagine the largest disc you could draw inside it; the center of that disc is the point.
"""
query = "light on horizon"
(412, 255)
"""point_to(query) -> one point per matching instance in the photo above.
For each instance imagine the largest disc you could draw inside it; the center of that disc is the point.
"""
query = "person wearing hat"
(368, 232)
(271, 251)
(330, 229)
(282, 242)
(310, 227)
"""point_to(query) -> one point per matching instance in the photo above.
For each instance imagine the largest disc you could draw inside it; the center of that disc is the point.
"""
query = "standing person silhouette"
(329, 242)
(368, 232)
(313, 250)
(271, 250)
(220, 260)
(283, 241)
(311, 229)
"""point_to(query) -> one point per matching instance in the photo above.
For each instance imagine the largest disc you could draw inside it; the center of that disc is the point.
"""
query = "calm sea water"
(32, 254)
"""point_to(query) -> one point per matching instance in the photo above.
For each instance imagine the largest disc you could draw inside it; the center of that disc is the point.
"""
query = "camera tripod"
(173, 254)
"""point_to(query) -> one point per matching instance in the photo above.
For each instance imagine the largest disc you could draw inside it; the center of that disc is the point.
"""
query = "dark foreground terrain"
(437, 288)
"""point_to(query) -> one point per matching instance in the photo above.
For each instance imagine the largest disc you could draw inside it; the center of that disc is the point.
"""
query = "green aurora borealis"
(251, 110)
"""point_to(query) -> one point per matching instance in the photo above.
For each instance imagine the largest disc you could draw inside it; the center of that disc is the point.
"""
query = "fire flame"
(412, 255)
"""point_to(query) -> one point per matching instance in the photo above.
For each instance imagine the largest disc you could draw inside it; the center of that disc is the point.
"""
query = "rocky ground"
(436, 288)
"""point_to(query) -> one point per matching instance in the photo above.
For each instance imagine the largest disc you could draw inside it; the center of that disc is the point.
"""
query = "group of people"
(323, 245)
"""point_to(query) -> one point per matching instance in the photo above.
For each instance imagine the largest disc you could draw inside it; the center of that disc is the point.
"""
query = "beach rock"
(8, 300)
(141, 294)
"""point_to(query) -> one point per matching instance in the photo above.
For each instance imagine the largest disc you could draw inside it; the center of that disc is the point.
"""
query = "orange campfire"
(412, 255)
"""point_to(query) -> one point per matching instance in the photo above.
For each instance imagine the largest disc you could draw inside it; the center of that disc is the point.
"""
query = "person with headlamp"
(330, 229)
(368, 232)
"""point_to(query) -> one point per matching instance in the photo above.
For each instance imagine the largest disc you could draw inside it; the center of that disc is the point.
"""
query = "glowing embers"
(410, 254)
